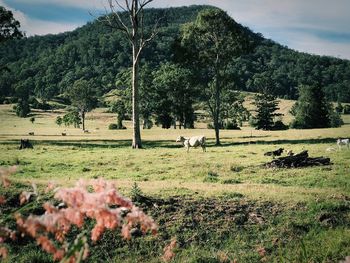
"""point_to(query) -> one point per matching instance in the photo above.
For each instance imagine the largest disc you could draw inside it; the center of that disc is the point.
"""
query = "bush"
(22, 109)
(280, 126)
(114, 126)
(335, 119)
(212, 177)
(231, 126)
(59, 120)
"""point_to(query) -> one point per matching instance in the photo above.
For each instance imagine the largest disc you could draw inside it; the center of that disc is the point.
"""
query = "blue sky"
(314, 26)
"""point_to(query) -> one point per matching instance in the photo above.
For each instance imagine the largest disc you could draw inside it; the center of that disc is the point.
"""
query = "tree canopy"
(82, 95)
(211, 45)
(312, 109)
(9, 26)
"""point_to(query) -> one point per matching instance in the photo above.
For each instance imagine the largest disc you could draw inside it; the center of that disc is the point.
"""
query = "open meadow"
(221, 205)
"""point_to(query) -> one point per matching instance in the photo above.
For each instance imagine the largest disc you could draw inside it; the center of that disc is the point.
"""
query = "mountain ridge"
(48, 65)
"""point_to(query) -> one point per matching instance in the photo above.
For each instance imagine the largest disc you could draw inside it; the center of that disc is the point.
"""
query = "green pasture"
(210, 201)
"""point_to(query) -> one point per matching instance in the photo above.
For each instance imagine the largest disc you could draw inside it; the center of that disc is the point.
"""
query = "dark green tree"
(119, 108)
(22, 93)
(266, 107)
(233, 113)
(312, 110)
(59, 121)
(22, 108)
(83, 98)
(9, 26)
(211, 44)
(147, 95)
(72, 118)
(9, 29)
(174, 96)
(266, 102)
(335, 118)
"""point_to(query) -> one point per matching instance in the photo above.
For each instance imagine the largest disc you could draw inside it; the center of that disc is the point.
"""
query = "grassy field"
(220, 205)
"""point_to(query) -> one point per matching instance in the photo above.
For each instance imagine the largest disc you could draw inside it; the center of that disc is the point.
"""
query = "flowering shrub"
(98, 200)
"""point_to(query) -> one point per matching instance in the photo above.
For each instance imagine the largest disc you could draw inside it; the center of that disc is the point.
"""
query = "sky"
(315, 26)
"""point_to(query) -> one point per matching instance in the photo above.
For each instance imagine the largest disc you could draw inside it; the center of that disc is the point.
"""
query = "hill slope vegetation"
(49, 65)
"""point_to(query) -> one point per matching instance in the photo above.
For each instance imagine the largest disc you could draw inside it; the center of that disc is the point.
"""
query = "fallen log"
(299, 160)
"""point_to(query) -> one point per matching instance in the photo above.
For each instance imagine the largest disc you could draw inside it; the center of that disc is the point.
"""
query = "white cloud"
(84, 4)
(314, 45)
(39, 27)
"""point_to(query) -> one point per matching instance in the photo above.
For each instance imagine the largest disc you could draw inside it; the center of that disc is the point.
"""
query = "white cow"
(192, 142)
(341, 142)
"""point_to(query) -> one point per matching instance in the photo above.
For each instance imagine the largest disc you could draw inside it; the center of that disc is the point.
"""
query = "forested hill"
(49, 65)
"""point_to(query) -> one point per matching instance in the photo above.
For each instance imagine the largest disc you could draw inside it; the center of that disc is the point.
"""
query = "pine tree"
(266, 107)
(312, 110)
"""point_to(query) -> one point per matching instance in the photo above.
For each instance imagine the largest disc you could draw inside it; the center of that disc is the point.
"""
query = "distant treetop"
(9, 26)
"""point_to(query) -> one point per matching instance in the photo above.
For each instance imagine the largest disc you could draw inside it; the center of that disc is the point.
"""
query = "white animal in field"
(341, 142)
(192, 142)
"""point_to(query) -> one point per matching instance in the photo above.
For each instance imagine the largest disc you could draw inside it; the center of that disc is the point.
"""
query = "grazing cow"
(192, 142)
(86, 131)
(31, 133)
(341, 142)
(64, 134)
(275, 153)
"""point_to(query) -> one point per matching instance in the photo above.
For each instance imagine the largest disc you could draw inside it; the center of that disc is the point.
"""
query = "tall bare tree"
(128, 17)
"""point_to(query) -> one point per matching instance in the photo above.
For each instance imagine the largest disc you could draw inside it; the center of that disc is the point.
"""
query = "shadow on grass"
(286, 141)
(162, 143)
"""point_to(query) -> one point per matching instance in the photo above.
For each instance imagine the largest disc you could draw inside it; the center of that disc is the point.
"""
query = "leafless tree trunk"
(133, 28)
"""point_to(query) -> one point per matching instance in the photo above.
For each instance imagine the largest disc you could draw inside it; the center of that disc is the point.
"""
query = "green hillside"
(49, 65)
